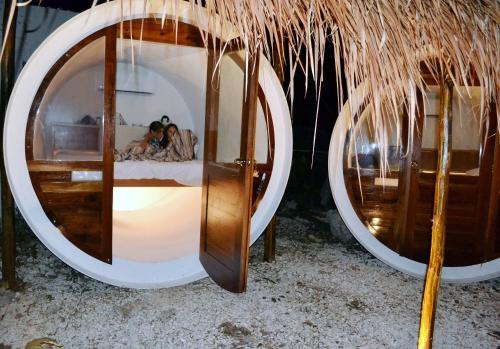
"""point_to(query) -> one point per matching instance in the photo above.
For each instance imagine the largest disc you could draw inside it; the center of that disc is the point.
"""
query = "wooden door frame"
(108, 141)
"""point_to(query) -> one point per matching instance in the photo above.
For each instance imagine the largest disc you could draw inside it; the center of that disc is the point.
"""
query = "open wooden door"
(70, 159)
(228, 168)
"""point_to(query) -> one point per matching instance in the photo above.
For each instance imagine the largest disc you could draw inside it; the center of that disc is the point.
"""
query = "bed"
(150, 173)
(155, 173)
(147, 173)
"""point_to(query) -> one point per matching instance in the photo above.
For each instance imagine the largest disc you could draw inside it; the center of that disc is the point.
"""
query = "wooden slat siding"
(409, 176)
(76, 213)
(56, 176)
(461, 160)
(108, 144)
(187, 34)
(71, 187)
(148, 183)
(491, 235)
(90, 200)
(461, 241)
(34, 176)
(64, 166)
(46, 83)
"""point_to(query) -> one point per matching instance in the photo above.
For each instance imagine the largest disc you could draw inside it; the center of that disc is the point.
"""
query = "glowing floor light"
(137, 198)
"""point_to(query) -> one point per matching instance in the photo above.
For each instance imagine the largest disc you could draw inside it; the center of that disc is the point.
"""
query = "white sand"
(318, 294)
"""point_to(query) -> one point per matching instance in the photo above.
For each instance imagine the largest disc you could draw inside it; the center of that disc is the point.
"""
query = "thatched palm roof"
(382, 42)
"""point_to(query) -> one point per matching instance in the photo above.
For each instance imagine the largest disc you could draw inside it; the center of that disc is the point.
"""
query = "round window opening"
(116, 215)
(391, 214)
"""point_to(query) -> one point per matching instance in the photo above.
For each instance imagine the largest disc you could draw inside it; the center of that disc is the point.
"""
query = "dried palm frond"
(382, 42)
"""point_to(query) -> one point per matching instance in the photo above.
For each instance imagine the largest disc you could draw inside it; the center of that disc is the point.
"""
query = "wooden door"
(231, 106)
(78, 205)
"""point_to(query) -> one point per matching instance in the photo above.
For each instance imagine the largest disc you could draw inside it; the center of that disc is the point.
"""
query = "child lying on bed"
(155, 137)
(171, 144)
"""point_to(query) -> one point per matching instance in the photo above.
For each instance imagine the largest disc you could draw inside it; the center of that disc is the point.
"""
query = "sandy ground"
(319, 293)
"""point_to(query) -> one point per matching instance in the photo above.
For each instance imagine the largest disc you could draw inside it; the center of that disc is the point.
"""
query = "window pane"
(466, 139)
(69, 120)
(231, 90)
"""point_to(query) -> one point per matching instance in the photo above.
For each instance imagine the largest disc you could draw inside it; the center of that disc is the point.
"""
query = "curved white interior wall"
(171, 270)
(142, 109)
(174, 74)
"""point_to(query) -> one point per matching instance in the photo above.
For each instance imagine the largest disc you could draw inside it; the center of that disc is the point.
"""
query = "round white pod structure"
(471, 273)
(171, 271)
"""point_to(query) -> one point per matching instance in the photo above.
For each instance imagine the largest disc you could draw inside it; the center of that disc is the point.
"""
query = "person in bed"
(179, 145)
(170, 131)
(149, 145)
(154, 138)
(167, 144)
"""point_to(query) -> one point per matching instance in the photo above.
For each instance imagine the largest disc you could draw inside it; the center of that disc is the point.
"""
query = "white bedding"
(187, 172)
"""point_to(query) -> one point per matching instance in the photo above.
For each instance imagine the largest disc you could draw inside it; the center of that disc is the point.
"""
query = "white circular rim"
(472, 273)
(124, 273)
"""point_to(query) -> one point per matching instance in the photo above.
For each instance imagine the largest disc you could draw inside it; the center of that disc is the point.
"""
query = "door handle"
(242, 162)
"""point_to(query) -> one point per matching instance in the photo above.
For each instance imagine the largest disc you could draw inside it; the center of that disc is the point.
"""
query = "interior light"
(137, 198)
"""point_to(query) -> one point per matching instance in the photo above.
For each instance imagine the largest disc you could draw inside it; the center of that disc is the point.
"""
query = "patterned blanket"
(180, 148)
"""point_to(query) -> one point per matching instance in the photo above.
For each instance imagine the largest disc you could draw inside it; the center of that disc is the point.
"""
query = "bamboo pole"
(7, 82)
(433, 277)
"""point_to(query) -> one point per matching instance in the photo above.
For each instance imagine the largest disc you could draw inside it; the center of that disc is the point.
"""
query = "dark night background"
(308, 185)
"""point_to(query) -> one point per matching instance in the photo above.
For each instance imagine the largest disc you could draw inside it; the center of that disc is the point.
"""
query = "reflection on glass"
(371, 192)
(397, 209)
(231, 90)
(68, 125)
(466, 140)
(364, 149)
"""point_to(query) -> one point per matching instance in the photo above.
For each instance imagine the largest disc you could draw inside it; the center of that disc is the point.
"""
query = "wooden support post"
(7, 82)
(270, 241)
(433, 277)
(270, 234)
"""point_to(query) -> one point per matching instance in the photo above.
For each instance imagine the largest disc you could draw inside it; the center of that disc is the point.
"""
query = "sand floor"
(319, 293)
